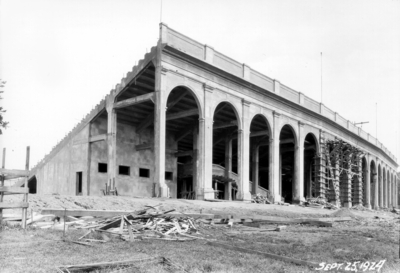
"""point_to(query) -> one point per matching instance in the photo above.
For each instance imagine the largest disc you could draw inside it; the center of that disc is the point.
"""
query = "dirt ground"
(371, 237)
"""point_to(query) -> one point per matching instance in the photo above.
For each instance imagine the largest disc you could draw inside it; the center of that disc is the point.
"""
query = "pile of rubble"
(260, 199)
(320, 202)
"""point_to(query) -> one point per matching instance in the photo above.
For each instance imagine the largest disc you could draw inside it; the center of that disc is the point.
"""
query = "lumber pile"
(148, 223)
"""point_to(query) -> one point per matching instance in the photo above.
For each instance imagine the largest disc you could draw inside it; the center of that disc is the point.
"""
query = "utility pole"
(321, 77)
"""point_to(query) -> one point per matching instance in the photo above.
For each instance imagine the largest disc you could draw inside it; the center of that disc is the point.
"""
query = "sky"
(60, 58)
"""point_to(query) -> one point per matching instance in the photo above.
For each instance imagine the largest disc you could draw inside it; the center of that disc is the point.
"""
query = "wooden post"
(2, 183)
(24, 210)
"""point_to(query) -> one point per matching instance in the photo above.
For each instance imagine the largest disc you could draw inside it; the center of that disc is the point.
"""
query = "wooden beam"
(259, 133)
(179, 136)
(13, 205)
(185, 153)
(182, 114)
(265, 254)
(14, 190)
(134, 100)
(98, 138)
(285, 141)
(220, 125)
(150, 118)
(144, 146)
(13, 173)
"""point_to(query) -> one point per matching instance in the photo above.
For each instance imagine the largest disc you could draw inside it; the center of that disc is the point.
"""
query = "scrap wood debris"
(149, 223)
(320, 202)
(260, 199)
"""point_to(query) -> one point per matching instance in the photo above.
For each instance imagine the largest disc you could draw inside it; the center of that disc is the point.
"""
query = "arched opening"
(287, 141)
(310, 151)
(182, 143)
(32, 185)
(259, 155)
(374, 181)
(225, 152)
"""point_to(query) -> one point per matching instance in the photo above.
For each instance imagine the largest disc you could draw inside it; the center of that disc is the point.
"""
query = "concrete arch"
(294, 131)
(313, 136)
(235, 110)
(192, 91)
(269, 122)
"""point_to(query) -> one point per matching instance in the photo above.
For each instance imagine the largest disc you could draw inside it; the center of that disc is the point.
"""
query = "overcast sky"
(60, 58)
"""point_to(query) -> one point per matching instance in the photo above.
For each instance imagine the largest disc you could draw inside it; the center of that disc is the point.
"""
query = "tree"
(3, 124)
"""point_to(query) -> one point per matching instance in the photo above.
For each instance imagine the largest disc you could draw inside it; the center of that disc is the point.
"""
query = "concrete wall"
(58, 175)
(127, 155)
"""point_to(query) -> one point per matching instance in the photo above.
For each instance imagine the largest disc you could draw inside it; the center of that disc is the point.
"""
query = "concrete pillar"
(298, 183)
(309, 179)
(195, 158)
(206, 191)
(367, 185)
(274, 169)
(375, 191)
(111, 141)
(228, 167)
(243, 154)
(380, 190)
(255, 169)
(384, 192)
(160, 128)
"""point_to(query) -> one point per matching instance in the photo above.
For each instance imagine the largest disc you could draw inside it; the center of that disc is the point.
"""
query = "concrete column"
(375, 191)
(380, 191)
(244, 154)
(160, 128)
(298, 183)
(228, 167)
(309, 179)
(199, 189)
(255, 168)
(111, 141)
(274, 169)
(207, 191)
(367, 185)
(384, 185)
(195, 158)
(346, 181)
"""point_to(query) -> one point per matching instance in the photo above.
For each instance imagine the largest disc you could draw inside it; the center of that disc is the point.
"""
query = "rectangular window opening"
(102, 167)
(144, 173)
(79, 183)
(168, 175)
(124, 170)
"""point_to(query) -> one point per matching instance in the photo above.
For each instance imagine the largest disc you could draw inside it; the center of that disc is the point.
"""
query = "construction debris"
(149, 223)
(260, 199)
(320, 202)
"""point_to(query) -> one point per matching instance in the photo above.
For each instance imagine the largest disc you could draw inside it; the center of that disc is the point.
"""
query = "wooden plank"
(221, 125)
(98, 138)
(13, 173)
(144, 146)
(94, 266)
(13, 190)
(185, 153)
(265, 254)
(134, 100)
(4, 205)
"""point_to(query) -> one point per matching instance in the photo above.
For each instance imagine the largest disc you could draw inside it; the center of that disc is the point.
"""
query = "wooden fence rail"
(6, 174)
